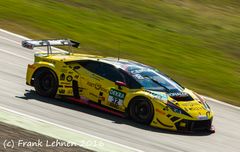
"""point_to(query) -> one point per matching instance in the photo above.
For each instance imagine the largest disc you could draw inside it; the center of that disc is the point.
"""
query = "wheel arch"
(141, 97)
(43, 68)
(137, 97)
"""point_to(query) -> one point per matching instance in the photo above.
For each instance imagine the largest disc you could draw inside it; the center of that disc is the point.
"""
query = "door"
(116, 93)
(98, 80)
(91, 81)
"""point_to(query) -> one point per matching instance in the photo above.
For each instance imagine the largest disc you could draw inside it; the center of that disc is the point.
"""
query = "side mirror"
(120, 84)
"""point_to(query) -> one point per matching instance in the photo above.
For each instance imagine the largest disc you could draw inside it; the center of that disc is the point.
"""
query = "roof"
(123, 63)
(119, 63)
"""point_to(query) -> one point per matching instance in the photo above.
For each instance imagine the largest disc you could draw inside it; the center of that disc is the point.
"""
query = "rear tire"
(46, 82)
(141, 110)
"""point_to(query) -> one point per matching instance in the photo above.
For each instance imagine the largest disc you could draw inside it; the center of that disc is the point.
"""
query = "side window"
(105, 70)
(110, 72)
(130, 81)
(91, 66)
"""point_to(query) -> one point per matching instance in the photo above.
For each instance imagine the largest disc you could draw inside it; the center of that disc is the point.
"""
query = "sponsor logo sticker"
(116, 98)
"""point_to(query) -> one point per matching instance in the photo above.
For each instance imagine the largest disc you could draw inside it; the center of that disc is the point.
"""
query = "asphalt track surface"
(17, 96)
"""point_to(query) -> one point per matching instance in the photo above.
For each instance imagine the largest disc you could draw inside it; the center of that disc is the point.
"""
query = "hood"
(183, 96)
(186, 102)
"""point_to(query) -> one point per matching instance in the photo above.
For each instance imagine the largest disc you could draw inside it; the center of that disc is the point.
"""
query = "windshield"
(153, 79)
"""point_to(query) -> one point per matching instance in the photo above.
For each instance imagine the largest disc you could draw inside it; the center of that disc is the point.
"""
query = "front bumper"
(194, 125)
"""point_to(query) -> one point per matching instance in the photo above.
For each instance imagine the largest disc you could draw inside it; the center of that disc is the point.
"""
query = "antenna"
(49, 49)
(119, 44)
(70, 49)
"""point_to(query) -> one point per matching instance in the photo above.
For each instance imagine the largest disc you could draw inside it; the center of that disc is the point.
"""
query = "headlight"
(203, 101)
(176, 109)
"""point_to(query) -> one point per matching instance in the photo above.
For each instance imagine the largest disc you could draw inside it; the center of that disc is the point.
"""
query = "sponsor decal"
(160, 112)
(159, 95)
(70, 91)
(68, 86)
(62, 77)
(61, 91)
(190, 104)
(97, 86)
(96, 77)
(65, 83)
(138, 76)
(69, 78)
(116, 98)
(166, 108)
(64, 70)
(137, 71)
(101, 98)
(196, 108)
(202, 117)
(178, 94)
(116, 93)
(76, 76)
(95, 96)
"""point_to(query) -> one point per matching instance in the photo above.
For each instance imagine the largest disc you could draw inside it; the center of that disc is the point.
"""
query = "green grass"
(197, 42)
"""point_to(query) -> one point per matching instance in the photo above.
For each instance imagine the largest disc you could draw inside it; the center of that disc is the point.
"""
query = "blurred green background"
(196, 42)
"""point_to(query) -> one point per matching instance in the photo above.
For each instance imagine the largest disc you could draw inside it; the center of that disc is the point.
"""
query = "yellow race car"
(119, 86)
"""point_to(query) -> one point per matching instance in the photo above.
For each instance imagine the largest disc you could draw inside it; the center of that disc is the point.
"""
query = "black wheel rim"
(142, 110)
(46, 82)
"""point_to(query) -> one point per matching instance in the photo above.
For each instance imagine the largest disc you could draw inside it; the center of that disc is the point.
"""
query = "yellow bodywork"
(98, 89)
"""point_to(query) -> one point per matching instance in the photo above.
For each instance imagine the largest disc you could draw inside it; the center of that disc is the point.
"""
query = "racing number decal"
(116, 98)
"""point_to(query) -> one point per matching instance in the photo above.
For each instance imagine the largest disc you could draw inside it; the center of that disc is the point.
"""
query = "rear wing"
(30, 44)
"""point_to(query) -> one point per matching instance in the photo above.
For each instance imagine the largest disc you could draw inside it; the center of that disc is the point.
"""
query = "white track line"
(23, 37)
(10, 40)
(222, 103)
(11, 53)
(70, 129)
(13, 34)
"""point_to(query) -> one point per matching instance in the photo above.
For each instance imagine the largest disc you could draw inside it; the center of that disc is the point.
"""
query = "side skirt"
(96, 106)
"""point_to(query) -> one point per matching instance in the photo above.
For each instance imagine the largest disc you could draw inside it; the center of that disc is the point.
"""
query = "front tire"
(46, 83)
(141, 110)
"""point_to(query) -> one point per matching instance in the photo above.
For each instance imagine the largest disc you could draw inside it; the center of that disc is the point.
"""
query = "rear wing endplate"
(30, 44)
